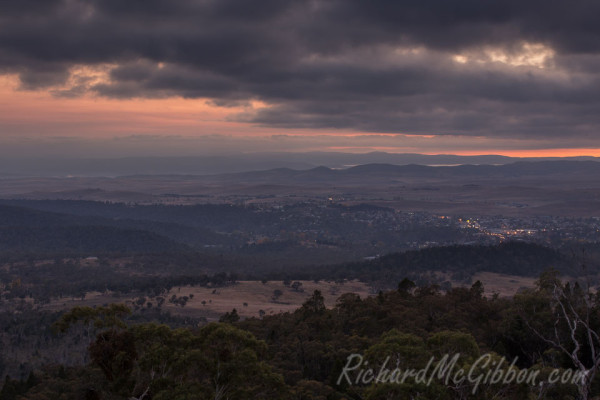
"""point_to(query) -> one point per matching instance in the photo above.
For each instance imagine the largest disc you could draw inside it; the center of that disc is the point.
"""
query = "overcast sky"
(200, 76)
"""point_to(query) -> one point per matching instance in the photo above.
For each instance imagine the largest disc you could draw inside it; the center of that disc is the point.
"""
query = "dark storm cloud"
(379, 66)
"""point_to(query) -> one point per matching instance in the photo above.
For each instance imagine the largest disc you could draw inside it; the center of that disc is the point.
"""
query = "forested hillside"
(301, 355)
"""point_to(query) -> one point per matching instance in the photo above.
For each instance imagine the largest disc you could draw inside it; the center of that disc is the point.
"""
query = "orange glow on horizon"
(36, 115)
(576, 152)
(531, 153)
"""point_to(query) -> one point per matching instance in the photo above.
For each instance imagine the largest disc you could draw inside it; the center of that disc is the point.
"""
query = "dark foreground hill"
(458, 262)
(26, 232)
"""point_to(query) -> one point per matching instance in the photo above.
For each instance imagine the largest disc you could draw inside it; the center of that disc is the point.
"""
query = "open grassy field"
(504, 285)
(247, 297)
(250, 297)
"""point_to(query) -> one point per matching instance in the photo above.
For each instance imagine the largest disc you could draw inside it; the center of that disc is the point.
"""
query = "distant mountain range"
(562, 168)
(234, 163)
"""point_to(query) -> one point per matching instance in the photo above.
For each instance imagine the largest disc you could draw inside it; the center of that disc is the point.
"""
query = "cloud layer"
(497, 68)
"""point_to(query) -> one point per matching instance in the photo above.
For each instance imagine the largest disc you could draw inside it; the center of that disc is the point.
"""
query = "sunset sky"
(158, 77)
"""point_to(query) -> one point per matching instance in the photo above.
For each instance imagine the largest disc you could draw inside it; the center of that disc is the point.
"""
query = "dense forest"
(302, 354)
